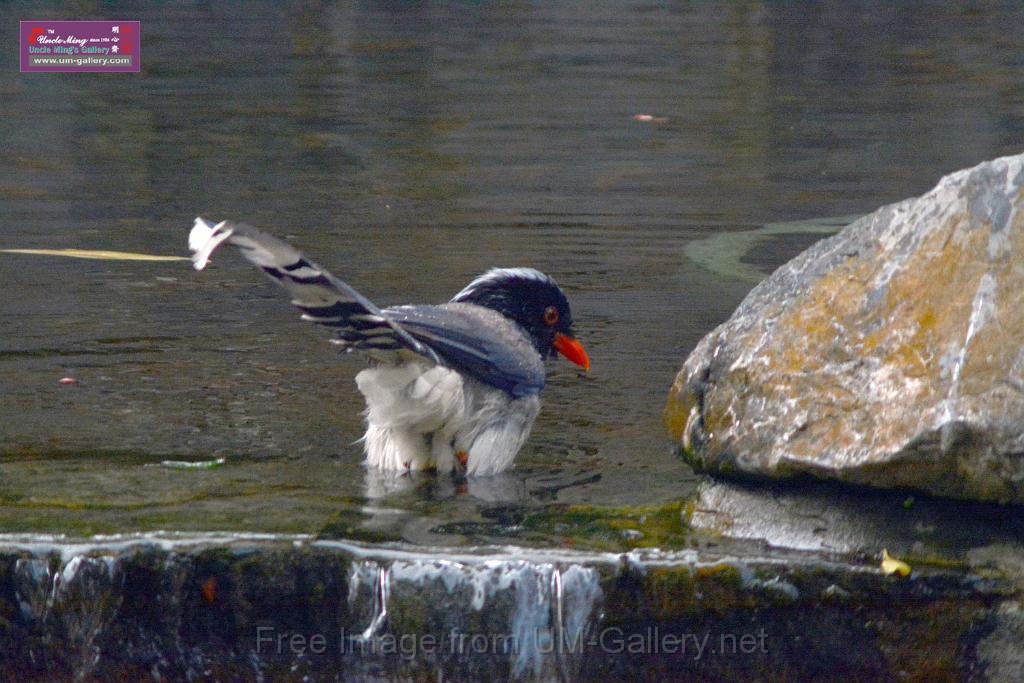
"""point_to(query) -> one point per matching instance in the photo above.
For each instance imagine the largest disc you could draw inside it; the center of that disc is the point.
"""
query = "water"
(408, 147)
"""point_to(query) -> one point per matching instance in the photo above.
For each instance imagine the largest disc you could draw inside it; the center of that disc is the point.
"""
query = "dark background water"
(408, 147)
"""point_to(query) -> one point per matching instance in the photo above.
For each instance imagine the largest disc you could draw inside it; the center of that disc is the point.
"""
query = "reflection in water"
(411, 146)
(428, 508)
(504, 487)
(827, 517)
(735, 255)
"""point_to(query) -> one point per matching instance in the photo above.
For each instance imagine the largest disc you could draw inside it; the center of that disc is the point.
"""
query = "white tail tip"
(203, 239)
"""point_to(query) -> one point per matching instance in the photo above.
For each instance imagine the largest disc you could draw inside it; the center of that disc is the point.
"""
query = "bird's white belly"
(419, 416)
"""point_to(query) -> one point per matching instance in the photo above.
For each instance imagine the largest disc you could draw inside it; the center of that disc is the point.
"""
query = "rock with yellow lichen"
(891, 354)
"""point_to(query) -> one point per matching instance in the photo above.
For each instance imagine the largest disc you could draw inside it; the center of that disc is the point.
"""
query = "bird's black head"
(535, 302)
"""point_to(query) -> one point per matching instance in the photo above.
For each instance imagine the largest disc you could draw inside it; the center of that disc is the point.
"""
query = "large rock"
(891, 354)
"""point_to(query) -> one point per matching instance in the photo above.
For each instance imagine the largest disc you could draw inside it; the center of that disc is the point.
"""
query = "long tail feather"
(322, 298)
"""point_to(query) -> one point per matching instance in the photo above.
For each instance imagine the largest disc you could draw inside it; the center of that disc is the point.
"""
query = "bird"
(452, 387)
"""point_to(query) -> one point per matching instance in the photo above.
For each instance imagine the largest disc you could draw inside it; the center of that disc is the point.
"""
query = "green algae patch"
(670, 593)
(581, 527)
(107, 491)
(677, 413)
(351, 524)
(612, 529)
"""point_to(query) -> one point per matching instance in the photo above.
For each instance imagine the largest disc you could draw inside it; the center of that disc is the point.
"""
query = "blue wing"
(476, 341)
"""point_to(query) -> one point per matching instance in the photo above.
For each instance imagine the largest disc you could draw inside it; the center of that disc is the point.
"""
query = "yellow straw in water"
(95, 254)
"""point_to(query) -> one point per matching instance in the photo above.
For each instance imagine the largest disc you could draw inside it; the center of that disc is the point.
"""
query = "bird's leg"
(459, 473)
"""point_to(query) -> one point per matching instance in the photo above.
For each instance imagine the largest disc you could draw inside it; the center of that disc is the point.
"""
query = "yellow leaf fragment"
(890, 565)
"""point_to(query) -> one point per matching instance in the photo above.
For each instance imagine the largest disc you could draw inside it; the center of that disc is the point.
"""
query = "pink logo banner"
(72, 46)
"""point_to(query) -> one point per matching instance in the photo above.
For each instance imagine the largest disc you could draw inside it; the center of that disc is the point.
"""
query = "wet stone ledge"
(296, 608)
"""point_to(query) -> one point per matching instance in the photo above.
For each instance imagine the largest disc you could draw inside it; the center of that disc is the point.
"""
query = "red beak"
(571, 350)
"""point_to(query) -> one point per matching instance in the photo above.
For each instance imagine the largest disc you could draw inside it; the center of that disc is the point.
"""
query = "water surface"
(408, 147)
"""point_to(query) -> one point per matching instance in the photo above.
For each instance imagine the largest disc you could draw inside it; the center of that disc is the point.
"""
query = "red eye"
(551, 316)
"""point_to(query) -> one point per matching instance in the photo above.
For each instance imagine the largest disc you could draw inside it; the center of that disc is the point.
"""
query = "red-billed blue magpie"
(451, 386)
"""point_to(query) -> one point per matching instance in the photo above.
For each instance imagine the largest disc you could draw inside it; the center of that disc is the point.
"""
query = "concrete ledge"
(290, 607)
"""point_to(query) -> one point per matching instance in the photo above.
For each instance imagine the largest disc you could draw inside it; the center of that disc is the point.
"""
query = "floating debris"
(650, 118)
(890, 565)
(67, 380)
(190, 465)
(95, 254)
